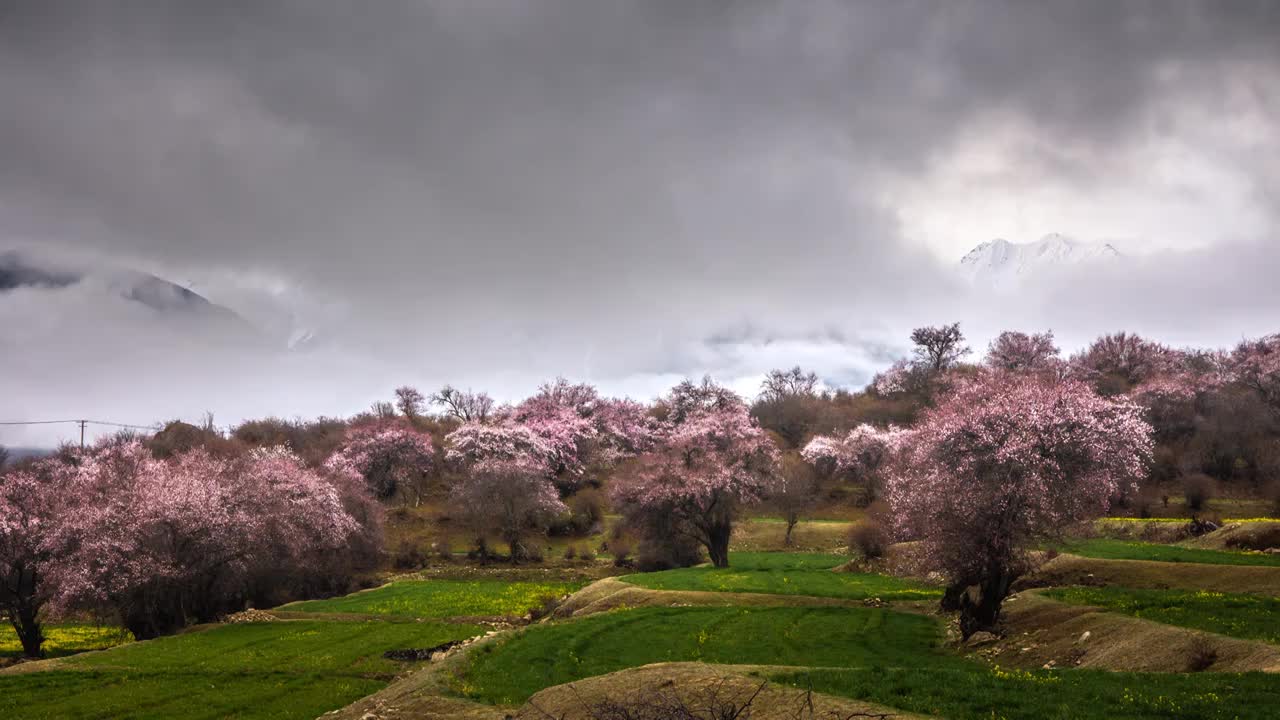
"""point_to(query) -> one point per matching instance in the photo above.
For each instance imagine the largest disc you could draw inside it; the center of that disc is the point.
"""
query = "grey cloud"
(582, 187)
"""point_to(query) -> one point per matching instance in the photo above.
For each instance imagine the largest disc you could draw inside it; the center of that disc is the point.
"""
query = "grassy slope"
(269, 670)
(1251, 617)
(546, 655)
(972, 692)
(1132, 550)
(441, 598)
(63, 639)
(784, 574)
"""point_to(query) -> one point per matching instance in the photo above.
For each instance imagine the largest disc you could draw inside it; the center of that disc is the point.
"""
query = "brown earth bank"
(1240, 536)
(1233, 535)
(695, 685)
(1069, 569)
(1040, 632)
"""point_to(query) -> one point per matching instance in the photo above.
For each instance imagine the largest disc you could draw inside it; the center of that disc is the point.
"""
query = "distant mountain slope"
(19, 270)
(1000, 264)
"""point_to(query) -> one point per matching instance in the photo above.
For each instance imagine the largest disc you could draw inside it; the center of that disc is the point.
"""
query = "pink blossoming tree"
(1002, 462)
(511, 497)
(33, 504)
(1255, 364)
(860, 454)
(393, 457)
(711, 460)
(163, 542)
(1116, 363)
(583, 431)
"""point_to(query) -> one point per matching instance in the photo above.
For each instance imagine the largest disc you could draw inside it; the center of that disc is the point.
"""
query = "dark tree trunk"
(30, 634)
(791, 525)
(979, 604)
(718, 544)
(19, 594)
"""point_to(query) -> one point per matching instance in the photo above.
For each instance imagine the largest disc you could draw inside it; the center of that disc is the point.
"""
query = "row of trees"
(978, 460)
(160, 542)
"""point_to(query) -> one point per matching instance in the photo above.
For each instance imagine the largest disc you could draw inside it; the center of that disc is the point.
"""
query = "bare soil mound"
(693, 685)
(1040, 632)
(1074, 570)
(1261, 536)
(612, 594)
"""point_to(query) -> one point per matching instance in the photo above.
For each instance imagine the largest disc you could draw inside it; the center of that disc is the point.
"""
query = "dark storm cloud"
(597, 186)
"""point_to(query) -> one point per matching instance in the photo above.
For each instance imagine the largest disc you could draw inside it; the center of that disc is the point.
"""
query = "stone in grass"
(981, 638)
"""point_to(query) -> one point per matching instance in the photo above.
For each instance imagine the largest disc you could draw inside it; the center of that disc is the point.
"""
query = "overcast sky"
(494, 193)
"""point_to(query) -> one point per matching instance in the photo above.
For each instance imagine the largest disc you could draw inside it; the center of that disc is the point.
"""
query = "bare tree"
(779, 384)
(798, 493)
(465, 405)
(382, 410)
(409, 401)
(938, 348)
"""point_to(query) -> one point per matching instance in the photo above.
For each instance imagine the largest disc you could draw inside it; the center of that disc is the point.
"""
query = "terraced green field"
(296, 669)
(1103, 548)
(1252, 617)
(786, 574)
(441, 598)
(546, 655)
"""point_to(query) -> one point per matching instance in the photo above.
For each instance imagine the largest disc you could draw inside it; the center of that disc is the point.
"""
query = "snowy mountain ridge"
(1004, 265)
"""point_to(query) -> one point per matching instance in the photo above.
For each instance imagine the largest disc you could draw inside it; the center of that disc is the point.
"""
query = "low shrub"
(869, 539)
(1201, 654)
(546, 606)
(620, 548)
(408, 556)
(1198, 491)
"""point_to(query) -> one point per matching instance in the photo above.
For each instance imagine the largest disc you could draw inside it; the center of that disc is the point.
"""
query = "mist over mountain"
(21, 271)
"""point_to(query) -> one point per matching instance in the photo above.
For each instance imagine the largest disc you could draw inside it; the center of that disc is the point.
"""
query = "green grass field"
(1252, 617)
(298, 669)
(969, 691)
(785, 574)
(63, 639)
(546, 655)
(1106, 549)
(441, 598)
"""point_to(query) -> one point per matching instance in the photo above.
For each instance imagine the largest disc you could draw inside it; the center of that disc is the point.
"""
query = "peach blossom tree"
(1002, 462)
(711, 460)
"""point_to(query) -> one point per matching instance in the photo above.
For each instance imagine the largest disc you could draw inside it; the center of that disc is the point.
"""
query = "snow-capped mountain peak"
(1003, 264)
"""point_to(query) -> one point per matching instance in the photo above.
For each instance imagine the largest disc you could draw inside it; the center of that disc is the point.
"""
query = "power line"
(83, 424)
(90, 422)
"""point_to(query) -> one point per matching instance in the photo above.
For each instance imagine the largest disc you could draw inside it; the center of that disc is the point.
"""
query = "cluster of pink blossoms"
(1008, 458)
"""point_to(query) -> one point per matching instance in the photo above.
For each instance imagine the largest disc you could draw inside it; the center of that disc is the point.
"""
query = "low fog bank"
(80, 352)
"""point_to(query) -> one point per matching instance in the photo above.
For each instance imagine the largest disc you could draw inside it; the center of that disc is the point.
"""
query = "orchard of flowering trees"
(978, 460)
(162, 542)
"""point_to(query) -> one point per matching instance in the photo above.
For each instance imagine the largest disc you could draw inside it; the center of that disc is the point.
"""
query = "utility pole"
(82, 424)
